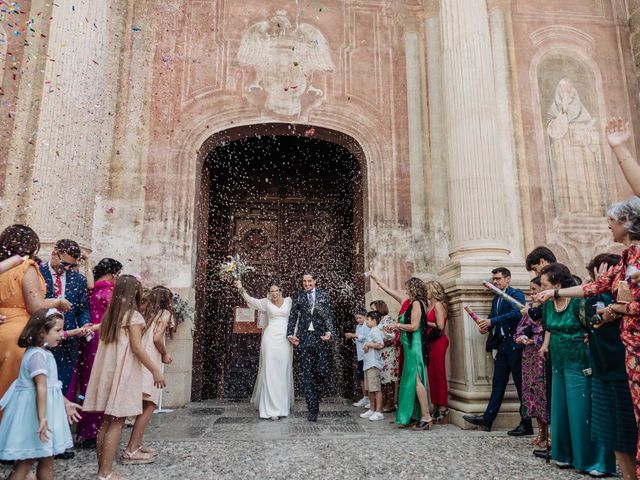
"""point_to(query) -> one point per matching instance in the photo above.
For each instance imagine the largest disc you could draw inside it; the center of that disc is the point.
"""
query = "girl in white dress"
(34, 426)
(273, 391)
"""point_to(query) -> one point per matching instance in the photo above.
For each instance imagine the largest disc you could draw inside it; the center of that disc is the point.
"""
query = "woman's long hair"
(127, 295)
(18, 240)
(158, 300)
(438, 294)
(417, 289)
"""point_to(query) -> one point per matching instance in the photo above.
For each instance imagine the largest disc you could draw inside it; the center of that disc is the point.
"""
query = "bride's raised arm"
(259, 304)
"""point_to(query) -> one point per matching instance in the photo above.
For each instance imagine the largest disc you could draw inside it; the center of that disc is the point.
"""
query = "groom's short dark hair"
(311, 274)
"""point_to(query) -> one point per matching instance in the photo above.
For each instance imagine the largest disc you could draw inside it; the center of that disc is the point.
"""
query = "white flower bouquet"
(234, 268)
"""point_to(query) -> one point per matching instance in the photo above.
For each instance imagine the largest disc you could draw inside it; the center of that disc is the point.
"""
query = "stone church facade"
(473, 128)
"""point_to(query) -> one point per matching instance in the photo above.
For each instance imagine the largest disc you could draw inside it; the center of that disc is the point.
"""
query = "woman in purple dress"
(530, 333)
(105, 272)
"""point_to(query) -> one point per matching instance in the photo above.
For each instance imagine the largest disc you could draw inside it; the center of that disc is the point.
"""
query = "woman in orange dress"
(22, 291)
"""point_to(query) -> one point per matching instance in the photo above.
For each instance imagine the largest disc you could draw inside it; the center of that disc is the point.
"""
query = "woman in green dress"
(564, 340)
(413, 398)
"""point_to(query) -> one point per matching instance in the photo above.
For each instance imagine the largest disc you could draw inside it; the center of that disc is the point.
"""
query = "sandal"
(388, 410)
(150, 450)
(136, 457)
(112, 477)
(443, 417)
(544, 444)
(423, 425)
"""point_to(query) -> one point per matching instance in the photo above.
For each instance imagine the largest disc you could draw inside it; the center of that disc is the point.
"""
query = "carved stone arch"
(186, 168)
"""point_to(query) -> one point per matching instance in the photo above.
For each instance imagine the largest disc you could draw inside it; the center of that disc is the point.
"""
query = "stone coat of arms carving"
(284, 58)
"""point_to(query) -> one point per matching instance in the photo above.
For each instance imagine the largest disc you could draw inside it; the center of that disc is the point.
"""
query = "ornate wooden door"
(295, 221)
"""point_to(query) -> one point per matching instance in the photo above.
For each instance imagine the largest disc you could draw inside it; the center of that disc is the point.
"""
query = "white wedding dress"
(273, 391)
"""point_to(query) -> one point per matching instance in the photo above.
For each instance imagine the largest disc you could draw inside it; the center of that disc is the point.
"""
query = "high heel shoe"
(443, 417)
(423, 425)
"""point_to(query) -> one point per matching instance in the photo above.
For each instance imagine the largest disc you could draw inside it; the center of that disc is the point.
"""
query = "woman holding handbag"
(438, 344)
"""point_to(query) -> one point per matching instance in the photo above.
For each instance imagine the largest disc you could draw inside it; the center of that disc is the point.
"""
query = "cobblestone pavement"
(226, 440)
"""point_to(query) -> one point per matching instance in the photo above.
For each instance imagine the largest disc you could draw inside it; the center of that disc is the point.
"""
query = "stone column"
(482, 227)
(477, 215)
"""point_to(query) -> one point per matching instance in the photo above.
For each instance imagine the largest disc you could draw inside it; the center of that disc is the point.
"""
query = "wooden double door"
(286, 221)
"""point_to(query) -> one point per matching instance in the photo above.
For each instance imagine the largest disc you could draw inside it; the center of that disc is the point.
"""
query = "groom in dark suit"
(310, 325)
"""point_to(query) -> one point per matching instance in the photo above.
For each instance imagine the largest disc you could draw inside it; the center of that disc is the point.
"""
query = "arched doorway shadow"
(288, 199)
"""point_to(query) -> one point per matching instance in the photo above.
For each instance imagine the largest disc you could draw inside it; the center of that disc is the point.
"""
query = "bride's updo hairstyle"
(274, 282)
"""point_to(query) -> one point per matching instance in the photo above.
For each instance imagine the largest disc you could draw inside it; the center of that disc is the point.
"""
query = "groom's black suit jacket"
(303, 315)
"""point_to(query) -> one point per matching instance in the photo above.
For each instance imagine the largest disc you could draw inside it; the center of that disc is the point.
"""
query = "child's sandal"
(149, 450)
(112, 477)
(136, 457)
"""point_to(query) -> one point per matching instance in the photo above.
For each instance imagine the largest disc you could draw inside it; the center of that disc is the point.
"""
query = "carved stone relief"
(284, 58)
(570, 113)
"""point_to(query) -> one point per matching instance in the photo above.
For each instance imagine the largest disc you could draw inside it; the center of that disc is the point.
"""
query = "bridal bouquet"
(182, 309)
(234, 268)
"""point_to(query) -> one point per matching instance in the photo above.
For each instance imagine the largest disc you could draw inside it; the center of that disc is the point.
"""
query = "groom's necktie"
(311, 304)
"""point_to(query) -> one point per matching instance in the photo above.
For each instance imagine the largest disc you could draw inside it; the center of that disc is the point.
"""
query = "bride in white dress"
(273, 391)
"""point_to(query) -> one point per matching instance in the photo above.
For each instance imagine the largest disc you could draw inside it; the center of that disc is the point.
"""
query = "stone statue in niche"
(575, 153)
(284, 58)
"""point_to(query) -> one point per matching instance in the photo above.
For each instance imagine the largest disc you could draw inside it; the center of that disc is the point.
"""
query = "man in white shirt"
(310, 326)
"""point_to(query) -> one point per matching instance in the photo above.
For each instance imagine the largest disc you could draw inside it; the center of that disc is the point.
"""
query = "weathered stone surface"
(296, 449)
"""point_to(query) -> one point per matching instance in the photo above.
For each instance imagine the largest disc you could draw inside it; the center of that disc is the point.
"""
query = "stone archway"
(265, 191)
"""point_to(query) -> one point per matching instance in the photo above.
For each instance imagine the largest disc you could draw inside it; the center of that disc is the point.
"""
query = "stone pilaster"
(634, 27)
(483, 226)
(438, 202)
(415, 111)
(73, 135)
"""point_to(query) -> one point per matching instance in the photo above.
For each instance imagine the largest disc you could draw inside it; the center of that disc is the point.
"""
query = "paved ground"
(214, 440)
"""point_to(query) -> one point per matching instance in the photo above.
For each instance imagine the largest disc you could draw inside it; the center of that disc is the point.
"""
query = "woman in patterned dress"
(530, 333)
(624, 223)
(389, 372)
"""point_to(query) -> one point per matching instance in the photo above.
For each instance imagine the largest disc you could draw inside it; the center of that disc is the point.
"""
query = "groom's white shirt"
(311, 296)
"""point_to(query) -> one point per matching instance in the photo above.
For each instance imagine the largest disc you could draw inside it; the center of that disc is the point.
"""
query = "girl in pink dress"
(115, 386)
(105, 272)
(159, 317)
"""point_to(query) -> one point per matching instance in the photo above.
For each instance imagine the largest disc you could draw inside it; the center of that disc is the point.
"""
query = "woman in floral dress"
(623, 283)
(530, 333)
(389, 372)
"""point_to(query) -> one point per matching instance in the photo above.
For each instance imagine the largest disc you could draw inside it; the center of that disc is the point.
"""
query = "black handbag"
(493, 342)
(423, 331)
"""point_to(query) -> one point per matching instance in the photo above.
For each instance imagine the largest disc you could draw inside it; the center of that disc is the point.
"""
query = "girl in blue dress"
(34, 424)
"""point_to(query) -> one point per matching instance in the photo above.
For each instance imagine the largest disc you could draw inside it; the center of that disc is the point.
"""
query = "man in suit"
(63, 281)
(501, 325)
(310, 326)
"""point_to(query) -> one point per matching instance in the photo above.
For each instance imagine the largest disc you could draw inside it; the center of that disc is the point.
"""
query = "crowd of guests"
(573, 351)
(79, 344)
(401, 364)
